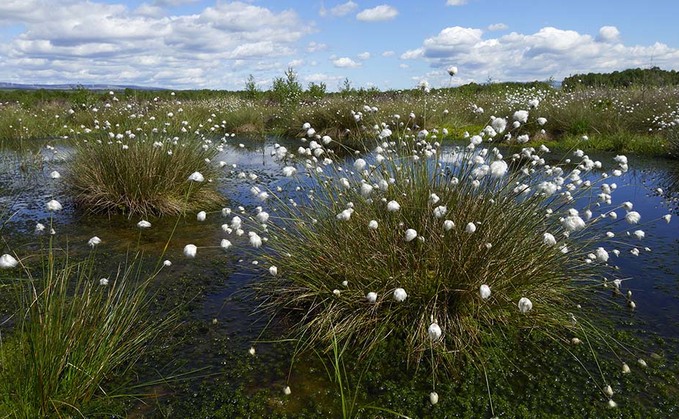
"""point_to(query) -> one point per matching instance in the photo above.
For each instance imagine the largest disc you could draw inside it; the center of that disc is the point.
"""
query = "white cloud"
(548, 52)
(363, 56)
(315, 47)
(497, 27)
(345, 62)
(329, 80)
(608, 34)
(295, 63)
(342, 9)
(378, 13)
(455, 2)
(82, 42)
(412, 54)
(389, 53)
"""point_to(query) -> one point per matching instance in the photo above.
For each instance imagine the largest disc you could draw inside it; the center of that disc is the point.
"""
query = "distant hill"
(20, 86)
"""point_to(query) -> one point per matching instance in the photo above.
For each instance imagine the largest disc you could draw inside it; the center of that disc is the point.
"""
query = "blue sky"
(389, 44)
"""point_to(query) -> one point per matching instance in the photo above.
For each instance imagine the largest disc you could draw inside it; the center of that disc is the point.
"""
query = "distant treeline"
(627, 78)
(289, 90)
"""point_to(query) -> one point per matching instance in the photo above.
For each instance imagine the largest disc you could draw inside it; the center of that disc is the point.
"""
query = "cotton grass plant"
(452, 254)
(73, 331)
(145, 174)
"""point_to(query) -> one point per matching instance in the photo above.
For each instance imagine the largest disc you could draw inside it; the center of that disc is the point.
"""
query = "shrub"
(145, 175)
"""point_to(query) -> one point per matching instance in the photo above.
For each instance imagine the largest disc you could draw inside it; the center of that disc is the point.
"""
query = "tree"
(251, 89)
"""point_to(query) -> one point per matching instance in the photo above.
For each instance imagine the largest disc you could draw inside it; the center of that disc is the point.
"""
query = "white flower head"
(525, 305)
(470, 228)
(448, 225)
(196, 177)
(410, 234)
(190, 250)
(255, 240)
(433, 398)
(372, 225)
(94, 241)
(359, 164)
(55, 175)
(484, 291)
(548, 239)
(54, 205)
(400, 295)
(273, 270)
(632, 217)
(225, 244)
(8, 261)
(601, 255)
(434, 332)
(393, 206)
(371, 297)
(498, 168)
(143, 224)
(201, 216)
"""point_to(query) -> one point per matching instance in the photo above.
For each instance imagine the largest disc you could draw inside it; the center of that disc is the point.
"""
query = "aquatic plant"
(448, 252)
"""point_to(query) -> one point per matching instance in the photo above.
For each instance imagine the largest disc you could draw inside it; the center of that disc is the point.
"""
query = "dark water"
(214, 282)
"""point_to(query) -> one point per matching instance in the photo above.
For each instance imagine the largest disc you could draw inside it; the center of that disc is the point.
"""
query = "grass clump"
(450, 253)
(73, 331)
(145, 175)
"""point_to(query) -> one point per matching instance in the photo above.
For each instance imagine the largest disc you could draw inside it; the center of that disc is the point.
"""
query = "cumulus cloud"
(345, 62)
(95, 42)
(455, 2)
(340, 10)
(388, 53)
(537, 56)
(363, 56)
(378, 13)
(412, 54)
(608, 34)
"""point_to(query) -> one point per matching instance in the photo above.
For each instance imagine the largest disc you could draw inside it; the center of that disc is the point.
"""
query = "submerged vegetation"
(431, 238)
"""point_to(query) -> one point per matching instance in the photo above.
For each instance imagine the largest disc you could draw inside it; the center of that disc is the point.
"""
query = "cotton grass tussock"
(529, 244)
(154, 175)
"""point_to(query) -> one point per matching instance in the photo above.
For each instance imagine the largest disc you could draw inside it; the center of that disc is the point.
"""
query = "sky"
(387, 44)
